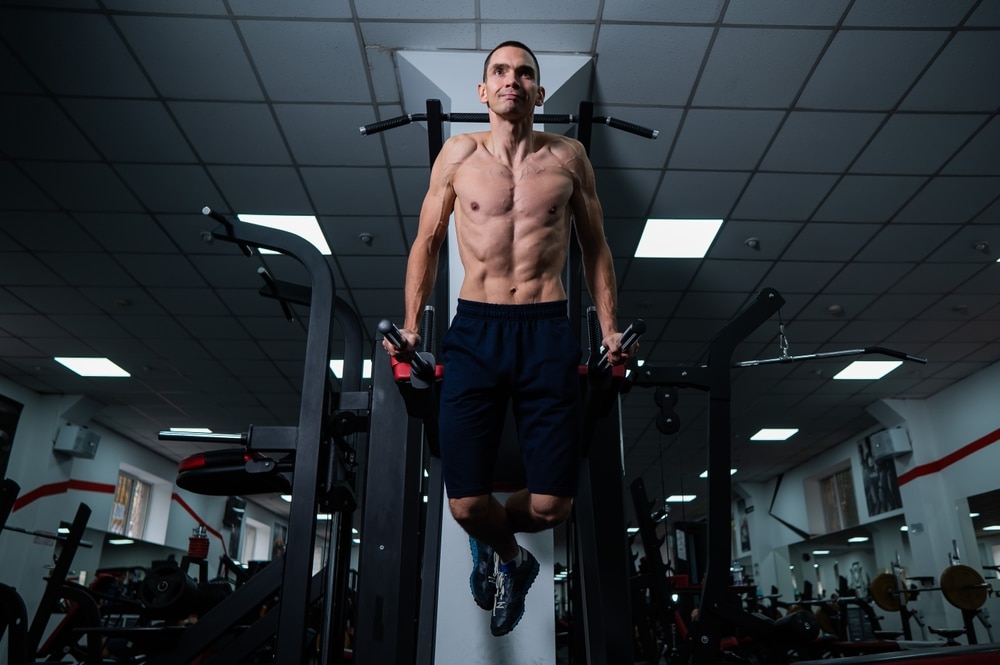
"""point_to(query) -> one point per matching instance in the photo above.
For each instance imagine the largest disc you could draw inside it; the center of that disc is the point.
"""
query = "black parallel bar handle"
(391, 123)
(629, 337)
(391, 333)
(629, 127)
(225, 221)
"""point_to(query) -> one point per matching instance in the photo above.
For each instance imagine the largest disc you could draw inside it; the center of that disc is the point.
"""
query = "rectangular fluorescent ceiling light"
(858, 539)
(704, 474)
(92, 366)
(774, 434)
(677, 238)
(305, 226)
(820, 552)
(992, 527)
(191, 430)
(337, 367)
(120, 541)
(681, 498)
(868, 369)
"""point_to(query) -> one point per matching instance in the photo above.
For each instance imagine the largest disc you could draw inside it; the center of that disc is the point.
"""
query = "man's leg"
(486, 520)
(531, 513)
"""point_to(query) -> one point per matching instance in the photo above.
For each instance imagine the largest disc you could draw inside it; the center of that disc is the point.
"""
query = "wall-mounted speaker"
(890, 442)
(77, 441)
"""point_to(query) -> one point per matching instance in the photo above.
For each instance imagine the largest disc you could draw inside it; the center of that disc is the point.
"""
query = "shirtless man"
(513, 192)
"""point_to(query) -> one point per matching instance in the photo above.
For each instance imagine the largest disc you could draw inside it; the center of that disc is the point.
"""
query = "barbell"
(961, 586)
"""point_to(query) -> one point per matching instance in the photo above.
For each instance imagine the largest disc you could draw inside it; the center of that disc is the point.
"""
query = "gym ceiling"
(857, 140)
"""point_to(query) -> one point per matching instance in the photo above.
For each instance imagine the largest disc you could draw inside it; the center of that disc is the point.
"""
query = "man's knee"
(550, 511)
(469, 510)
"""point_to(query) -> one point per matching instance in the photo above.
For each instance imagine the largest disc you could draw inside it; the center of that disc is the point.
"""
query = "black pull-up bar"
(543, 118)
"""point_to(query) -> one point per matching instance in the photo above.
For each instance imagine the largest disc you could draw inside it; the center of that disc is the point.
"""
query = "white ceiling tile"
(675, 11)
(290, 8)
(223, 133)
(935, 278)
(820, 142)
(879, 65)
(359, 273)
(758, 67)
(793, 276)
(262, 190)
(979, 156)
(41, 231)
(334, 190)
(191, 58)
(908, 13)
(870, 278)
(905, 242)
(790, 196)
(390, 36)
(540, 37)
(987, 14)
(74, 53)
(860, 198)
(188, 301)
(17, 192)
(950, 199)
(83, 269)
(160, 270)
(772, 237)
(171, 188)
(554, 10)
(727, 275)
(671, 57)
(44, 132)
(130, 130)
(724, 139)
(342, 233)
(90, 327)
(916, 143)
(963, 78)
(625, 193)
(123, 300)
(83, 186)
(623, 235)
(698, 194)
(280, 49)
(611, 147)
(782, 12)
(960, 245)
(47, 300)
(127, 232)
(326, 134)
(216, 7)
(453, 10)
(820, 241)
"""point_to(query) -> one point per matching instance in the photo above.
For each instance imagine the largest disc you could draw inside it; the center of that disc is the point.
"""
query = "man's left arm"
(598, 266)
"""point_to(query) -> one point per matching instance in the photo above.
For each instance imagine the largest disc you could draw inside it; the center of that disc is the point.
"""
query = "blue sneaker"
(512, 586)
(481, 581)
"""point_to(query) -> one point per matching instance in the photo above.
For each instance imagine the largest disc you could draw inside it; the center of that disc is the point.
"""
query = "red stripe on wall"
(102, 488)
(950, 458)
(61, 488)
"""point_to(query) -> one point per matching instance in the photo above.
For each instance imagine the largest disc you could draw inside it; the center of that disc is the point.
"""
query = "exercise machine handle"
(420, 366)
(391, 123)
(629, 337)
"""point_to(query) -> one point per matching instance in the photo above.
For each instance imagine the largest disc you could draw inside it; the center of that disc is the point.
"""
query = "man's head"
(510, 80)
(515, 44)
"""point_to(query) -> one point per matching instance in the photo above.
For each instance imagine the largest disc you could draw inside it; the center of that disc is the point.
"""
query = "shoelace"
(500, 579)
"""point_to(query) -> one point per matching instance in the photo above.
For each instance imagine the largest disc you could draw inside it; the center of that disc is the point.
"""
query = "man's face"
(511, 85)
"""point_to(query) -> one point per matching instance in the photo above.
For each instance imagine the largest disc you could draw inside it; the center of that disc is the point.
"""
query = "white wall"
(933, 503)
(35, 465)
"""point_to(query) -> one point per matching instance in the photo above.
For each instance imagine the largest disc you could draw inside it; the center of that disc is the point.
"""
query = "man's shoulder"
(463, 143)
(559, 144)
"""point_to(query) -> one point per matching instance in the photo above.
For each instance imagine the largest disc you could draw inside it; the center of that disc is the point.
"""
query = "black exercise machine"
(720, 608)
(394, 607)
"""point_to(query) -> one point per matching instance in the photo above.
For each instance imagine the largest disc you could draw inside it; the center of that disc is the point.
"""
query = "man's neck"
(511, 140)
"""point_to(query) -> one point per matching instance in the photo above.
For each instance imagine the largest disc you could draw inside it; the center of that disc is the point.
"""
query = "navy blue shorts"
(525, 355)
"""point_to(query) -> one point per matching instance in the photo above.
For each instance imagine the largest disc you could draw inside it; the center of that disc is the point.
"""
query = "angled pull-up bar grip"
(833, 354)
(422, 368)
(203, 437)
(222, 219)
(629, 338)
(285, 309)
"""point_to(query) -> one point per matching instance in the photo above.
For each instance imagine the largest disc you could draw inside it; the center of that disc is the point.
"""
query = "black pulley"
(668, 422)
(665, 395)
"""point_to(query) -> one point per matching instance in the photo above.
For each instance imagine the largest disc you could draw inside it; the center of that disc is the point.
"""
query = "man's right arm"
(432, 229)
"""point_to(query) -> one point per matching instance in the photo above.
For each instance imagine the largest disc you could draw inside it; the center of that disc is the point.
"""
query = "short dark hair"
(516, 44)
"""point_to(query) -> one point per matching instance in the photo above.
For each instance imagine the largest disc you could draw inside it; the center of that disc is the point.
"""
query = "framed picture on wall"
(10, 414)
